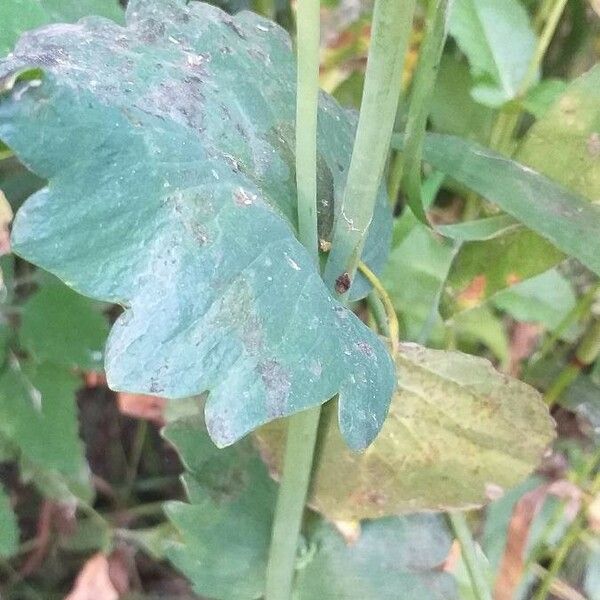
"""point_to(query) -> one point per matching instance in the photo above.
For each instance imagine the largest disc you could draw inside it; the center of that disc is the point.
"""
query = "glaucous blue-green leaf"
(18, 16)
(62, 327)
(225, 529)
(393, 558)
(456, 428)
(482, 29)
(481, 269)
(168, 146)
(9, 531)
(38, 415)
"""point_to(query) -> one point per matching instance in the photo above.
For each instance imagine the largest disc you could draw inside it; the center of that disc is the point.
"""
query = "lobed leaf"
(225, 533)
(168, 149)
(393, 557)
(456, 429)
(38, 415)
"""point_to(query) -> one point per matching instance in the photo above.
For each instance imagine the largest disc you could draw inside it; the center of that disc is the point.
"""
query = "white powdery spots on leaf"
(277, 385)
(293, 263)
(243, 198)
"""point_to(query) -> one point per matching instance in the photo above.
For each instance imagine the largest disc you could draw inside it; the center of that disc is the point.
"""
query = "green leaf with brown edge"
(483, 268)
(456, 428)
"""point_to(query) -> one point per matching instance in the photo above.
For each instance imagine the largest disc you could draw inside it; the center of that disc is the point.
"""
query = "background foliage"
(86, 473)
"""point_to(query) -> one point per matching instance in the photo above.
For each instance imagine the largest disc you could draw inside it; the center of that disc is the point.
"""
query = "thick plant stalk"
(420, 103)
(295, 480)
(392, 21)
(302, 428)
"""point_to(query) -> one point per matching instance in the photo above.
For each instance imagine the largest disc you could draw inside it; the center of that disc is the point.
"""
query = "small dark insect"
(342, 283)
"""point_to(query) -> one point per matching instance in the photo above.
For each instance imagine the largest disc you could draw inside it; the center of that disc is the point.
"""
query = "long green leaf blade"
(561, 216)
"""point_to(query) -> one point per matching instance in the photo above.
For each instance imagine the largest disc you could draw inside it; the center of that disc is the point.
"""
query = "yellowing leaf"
(456, 429)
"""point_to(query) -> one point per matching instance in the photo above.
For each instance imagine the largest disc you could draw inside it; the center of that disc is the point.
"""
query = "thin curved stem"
(393, 328)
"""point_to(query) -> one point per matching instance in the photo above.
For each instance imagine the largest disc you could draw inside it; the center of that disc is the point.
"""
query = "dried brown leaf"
(513, 561)
(142, 406)
(94, 581)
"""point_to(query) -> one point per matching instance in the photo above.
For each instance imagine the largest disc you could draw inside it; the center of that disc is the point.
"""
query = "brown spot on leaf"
(474, 293)
(342, 283)
(512, 279)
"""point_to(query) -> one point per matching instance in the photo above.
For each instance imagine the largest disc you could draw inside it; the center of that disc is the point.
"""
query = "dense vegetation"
(258, 340)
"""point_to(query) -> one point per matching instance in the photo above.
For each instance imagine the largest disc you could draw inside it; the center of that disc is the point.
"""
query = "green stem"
(420, 103)
(586, 353)
(135, 457)
(298, 459)
(569, 540)
(306, 123)
(548, 31)
(302, 427)
(378, 311)
(583, 306)
(392, 22)
(479, 583)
